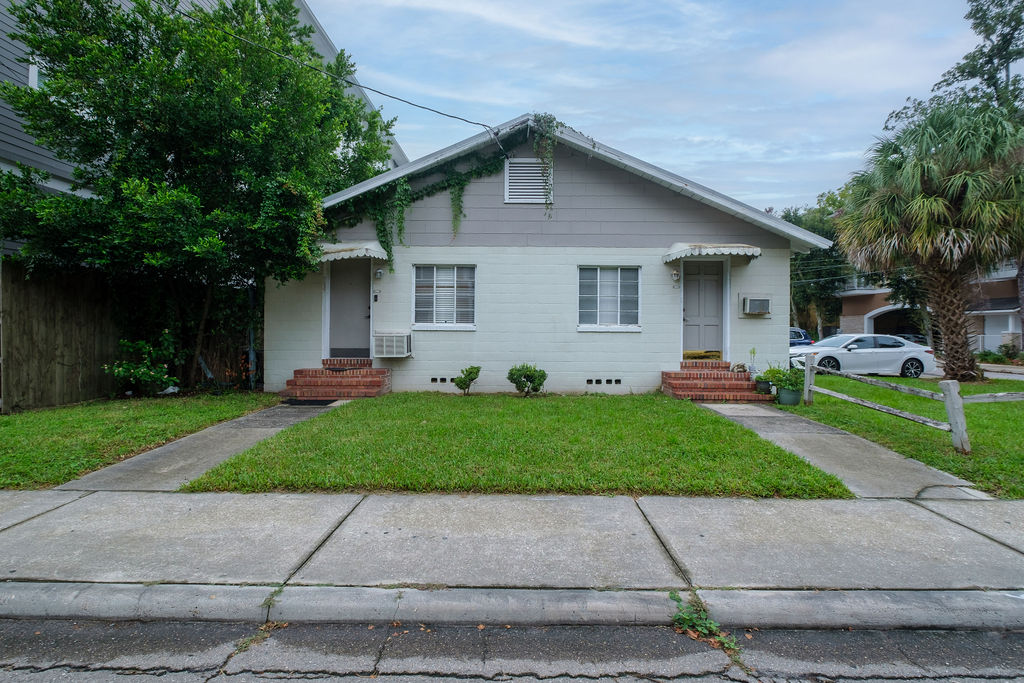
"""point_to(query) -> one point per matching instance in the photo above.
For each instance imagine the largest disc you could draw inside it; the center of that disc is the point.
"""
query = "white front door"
(702, 306)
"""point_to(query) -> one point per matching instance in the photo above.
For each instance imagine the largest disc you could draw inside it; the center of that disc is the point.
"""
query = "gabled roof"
(801, 240)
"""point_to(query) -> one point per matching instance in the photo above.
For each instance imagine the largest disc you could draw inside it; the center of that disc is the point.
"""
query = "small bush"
(1009, 350)
(143, 367)
(991, 357)
(792, 379)
(466, 379)
(528, 379)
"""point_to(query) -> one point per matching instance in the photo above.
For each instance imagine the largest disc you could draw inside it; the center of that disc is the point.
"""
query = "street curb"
(133, 601)
(516, 606)
(866, 609)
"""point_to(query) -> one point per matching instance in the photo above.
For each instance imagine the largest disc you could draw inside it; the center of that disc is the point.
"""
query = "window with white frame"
(527, 181)
(445, 295)
(609, 296)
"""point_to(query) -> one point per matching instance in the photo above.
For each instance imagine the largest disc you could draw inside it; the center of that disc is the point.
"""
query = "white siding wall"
(293, 332)
(765, 276)
(526, 311)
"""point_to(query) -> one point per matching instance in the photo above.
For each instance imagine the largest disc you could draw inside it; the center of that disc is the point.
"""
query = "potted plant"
(790, 385)
(767, 378)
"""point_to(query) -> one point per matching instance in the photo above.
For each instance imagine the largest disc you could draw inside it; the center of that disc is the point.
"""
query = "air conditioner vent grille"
(392, 345)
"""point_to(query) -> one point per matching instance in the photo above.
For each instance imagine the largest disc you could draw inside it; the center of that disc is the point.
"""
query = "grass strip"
(591, 444)
(48, 447)
(996, 462)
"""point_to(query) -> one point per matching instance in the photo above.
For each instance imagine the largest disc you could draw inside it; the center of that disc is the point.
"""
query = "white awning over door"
(681, 250)
(335, 251)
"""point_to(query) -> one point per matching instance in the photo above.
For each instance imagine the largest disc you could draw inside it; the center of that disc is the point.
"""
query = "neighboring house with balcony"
(631, 268)
(56, 332)
(994, 309)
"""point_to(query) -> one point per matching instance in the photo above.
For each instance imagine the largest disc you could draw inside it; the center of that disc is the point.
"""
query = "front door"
(350, 308)
(702, 305)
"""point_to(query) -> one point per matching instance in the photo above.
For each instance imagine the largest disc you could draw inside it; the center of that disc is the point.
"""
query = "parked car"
(916, 338)
(798, 337)
(867, 354)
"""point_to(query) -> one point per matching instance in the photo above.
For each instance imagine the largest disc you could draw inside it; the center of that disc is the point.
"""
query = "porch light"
(675, 276)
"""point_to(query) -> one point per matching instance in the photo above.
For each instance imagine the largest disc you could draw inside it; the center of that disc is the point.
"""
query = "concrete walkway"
(867, 469)
(168, 467)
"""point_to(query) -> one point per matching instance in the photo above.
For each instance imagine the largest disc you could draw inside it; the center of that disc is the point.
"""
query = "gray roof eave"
(800, 239)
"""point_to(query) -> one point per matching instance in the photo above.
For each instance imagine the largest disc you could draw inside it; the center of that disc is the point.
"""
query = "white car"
(867, 354)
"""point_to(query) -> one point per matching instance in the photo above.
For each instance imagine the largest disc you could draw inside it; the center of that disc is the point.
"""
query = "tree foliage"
(940, 195)
(817, 277)
(201, 158)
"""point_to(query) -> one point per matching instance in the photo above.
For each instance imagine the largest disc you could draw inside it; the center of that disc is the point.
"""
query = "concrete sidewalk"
(460, 559)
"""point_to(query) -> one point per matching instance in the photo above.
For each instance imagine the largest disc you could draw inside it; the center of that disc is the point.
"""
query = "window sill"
(428, 327)
(608, 328)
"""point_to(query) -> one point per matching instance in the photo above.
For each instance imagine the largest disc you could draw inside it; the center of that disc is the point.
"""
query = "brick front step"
(347, 362)
(711, 375)
(700, 384)
(339, 378)
(721, 396)
(335, 393)
(705, 364)
(339, 372)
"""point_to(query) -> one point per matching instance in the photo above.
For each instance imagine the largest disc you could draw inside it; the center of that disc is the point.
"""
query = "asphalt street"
(188, 652)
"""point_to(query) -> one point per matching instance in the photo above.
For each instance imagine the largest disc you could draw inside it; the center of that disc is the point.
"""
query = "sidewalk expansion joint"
(679, 567)
(326, 537)
(85, 494)
(965, 526)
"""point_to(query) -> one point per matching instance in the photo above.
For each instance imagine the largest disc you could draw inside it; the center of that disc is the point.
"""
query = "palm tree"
(943, 196)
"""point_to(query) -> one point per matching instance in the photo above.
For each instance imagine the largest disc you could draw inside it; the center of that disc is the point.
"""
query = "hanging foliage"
(386, 206)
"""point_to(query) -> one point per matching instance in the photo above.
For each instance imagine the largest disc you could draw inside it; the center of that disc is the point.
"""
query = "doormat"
(309, 401)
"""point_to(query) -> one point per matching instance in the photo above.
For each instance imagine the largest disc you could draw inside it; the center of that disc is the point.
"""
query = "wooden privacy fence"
(950, 396)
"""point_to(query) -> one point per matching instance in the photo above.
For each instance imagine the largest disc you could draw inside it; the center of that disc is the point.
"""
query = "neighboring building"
(633, 267)
(55, 332)
(994, 309)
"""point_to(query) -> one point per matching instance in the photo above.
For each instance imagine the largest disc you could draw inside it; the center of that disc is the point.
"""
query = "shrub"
(143, 367)
(773, 374)
(991, 357)
(466, 379)
(1009, 350)
(792, 379)
(528, 379)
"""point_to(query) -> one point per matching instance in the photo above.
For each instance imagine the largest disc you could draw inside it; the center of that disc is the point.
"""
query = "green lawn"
(996, 430)
(633, 445)
(48, 447)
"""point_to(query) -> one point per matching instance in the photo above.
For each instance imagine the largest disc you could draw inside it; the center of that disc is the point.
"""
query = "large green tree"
(941, 195)
(203, 142)
(984, 77)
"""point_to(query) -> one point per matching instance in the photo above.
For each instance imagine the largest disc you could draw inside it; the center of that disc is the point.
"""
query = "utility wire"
(346, 81)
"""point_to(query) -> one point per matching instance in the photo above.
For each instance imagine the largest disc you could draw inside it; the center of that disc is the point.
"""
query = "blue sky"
(769, 102)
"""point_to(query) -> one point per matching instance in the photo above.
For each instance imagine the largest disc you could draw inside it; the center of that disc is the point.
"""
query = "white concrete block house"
(631, 267)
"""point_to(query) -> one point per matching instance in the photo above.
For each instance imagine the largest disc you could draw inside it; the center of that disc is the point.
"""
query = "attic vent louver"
(524, 181)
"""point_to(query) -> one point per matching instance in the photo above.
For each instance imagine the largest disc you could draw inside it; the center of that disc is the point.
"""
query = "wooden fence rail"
(950, 397)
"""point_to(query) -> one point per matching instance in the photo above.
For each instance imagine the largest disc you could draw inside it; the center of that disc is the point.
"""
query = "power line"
(346, 81)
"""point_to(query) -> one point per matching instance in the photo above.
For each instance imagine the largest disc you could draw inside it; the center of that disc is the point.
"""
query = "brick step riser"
(375, 386)
(716, 396)
(347, 362)
(360, 372)
(713, 364)
(322, 393)
(697, 385)
(707, 376)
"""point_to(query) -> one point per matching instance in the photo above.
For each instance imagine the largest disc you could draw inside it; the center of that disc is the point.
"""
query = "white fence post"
(955, 413)
(808, 380)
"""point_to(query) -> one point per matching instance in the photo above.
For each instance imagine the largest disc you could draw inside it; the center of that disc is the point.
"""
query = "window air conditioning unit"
(753, 306)
(392, 345)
